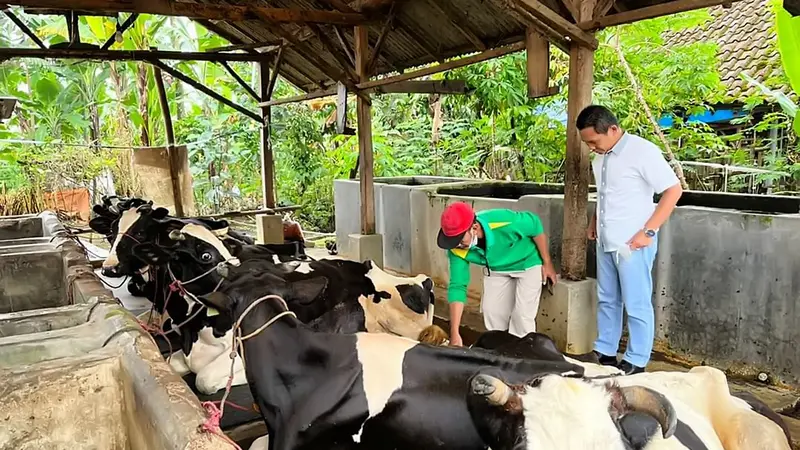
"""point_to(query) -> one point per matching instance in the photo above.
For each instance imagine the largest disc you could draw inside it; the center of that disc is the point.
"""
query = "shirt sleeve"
(657, 171)
(459, 279)
(529, 224)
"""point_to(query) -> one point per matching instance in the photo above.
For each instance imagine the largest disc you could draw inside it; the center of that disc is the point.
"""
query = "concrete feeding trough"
(725, 288)
(78, 371)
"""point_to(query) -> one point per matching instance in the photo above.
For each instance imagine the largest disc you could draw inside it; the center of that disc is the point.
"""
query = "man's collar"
(487, 230)
(619, 147)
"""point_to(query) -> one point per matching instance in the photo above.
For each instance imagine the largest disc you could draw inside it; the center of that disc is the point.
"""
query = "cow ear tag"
(211, 312)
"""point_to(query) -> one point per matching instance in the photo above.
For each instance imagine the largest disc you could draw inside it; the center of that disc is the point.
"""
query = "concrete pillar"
(269, 229)
(569, 315)
(367, 246)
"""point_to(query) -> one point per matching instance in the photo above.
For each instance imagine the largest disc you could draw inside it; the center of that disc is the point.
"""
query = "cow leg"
(214, 376)
(178, 363)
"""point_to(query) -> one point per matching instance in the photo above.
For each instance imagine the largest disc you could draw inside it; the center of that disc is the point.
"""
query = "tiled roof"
(747, 42)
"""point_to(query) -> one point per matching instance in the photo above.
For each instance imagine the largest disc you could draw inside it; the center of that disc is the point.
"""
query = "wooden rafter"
(21, 25)
(200, 10)
(602, 7)
(649, 12)
(571, 7)
(340, 58)
(274, 77)
(267, 46)
(120, 29)
(202, 88)
(558, 23)
(530, 21)
(345, 47)
(123, 55)
(457, 21)
(241, 81)
(376, 51)
(461, 62)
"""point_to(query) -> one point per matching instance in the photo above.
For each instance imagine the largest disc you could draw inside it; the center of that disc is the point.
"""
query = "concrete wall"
(85, 375)
(726, 281)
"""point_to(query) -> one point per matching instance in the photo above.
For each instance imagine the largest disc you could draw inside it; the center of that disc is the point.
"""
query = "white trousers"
(511, 300)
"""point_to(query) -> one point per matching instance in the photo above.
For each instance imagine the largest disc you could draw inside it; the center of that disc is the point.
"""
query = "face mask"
(474, 241)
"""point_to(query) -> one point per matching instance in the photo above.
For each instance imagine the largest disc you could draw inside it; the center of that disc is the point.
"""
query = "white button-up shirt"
(627, 177)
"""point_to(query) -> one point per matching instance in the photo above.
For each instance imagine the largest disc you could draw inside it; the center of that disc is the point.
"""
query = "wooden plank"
(572, 7)
(267, 159)
(453, 64)
(340, 58)
(341, 108)
(21, 25)
(529, 21)
(345, 47)
(200, 87)
(423, 87)
(365, 156)
(241, 82)
(538, 64)
(120, 29)
(124, 55)
(650, 12)
(558, 23)
(201, 10)
(177, 198)
(576, 161)
(458, 22)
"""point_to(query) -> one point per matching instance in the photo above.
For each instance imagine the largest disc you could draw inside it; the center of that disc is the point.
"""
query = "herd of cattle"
(342, 355)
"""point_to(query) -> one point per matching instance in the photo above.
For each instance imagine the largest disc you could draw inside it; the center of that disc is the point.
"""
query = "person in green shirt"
(512, 247)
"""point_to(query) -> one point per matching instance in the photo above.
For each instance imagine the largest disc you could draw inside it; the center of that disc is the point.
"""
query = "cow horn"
(650, 402)
(177, 235)
(495, 391)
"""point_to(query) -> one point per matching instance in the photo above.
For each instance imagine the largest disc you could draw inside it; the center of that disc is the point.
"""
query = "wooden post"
(267, 162)
(576, 183)
(174, 173)
(538, 54)
(364, 113)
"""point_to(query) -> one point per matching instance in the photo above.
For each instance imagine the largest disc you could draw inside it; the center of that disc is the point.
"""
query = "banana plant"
(789, 46)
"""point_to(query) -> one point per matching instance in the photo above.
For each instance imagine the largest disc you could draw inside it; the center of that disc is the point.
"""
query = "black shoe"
(628, 368)
(604, 359)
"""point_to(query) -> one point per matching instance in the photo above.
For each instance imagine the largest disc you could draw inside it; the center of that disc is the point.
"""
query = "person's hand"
(455, 340)
(639, 240)
(591, 232)
(548, 273)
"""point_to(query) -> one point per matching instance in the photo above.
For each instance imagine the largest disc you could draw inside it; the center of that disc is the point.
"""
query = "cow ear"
(218, 300)
(150, 253)
(101, 225)
(160, 213)
(309, 288)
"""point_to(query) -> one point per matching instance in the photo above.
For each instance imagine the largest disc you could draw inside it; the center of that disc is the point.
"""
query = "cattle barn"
(336, 48)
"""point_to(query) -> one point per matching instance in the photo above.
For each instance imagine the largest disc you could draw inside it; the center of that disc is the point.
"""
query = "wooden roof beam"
(120, 29)
(123, 55)
(561, 25)
(21, 25)
(270, 46)
(200, 10)
(529, 21)
(453, 64)
(650, 12)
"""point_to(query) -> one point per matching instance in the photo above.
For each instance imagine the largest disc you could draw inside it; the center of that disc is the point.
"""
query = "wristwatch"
(649, 233)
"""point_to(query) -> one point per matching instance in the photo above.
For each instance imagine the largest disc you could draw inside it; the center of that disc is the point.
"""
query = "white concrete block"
(269, 229)
(366, 246)
(569, 315)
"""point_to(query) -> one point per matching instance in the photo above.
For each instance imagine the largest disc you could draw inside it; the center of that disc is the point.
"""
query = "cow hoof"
(482, 385)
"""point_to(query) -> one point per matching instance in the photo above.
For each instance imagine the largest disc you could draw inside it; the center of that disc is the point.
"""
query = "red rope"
(241, 408)
(211, 425)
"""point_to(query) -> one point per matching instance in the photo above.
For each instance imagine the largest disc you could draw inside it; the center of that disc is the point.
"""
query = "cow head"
(233, 300)
(108, 213)
(145, 225)
(555, 411)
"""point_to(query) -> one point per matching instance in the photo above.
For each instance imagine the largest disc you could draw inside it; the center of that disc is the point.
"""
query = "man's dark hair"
(598, 117)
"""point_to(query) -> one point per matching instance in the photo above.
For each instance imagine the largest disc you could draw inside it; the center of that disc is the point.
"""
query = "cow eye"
(206, 257)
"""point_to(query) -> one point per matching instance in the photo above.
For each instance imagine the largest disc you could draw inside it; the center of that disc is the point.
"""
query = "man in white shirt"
(628, 170)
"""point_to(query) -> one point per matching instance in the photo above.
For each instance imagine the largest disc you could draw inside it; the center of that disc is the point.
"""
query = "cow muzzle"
(110, 271)
(496, 392)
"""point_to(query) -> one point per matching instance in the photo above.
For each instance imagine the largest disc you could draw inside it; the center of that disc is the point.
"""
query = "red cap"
(457, 218)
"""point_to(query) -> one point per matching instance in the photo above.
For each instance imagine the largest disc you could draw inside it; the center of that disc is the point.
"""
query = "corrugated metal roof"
(747, 42)
(421, 33)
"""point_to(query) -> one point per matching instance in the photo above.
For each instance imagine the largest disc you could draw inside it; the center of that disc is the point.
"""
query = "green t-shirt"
(509, 247)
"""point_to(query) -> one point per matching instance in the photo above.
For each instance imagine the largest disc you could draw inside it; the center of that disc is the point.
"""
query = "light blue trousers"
(627, 282)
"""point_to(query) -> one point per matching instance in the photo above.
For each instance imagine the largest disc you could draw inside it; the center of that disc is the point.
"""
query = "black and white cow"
(648, 411)
(320, 390)
(357, 297)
